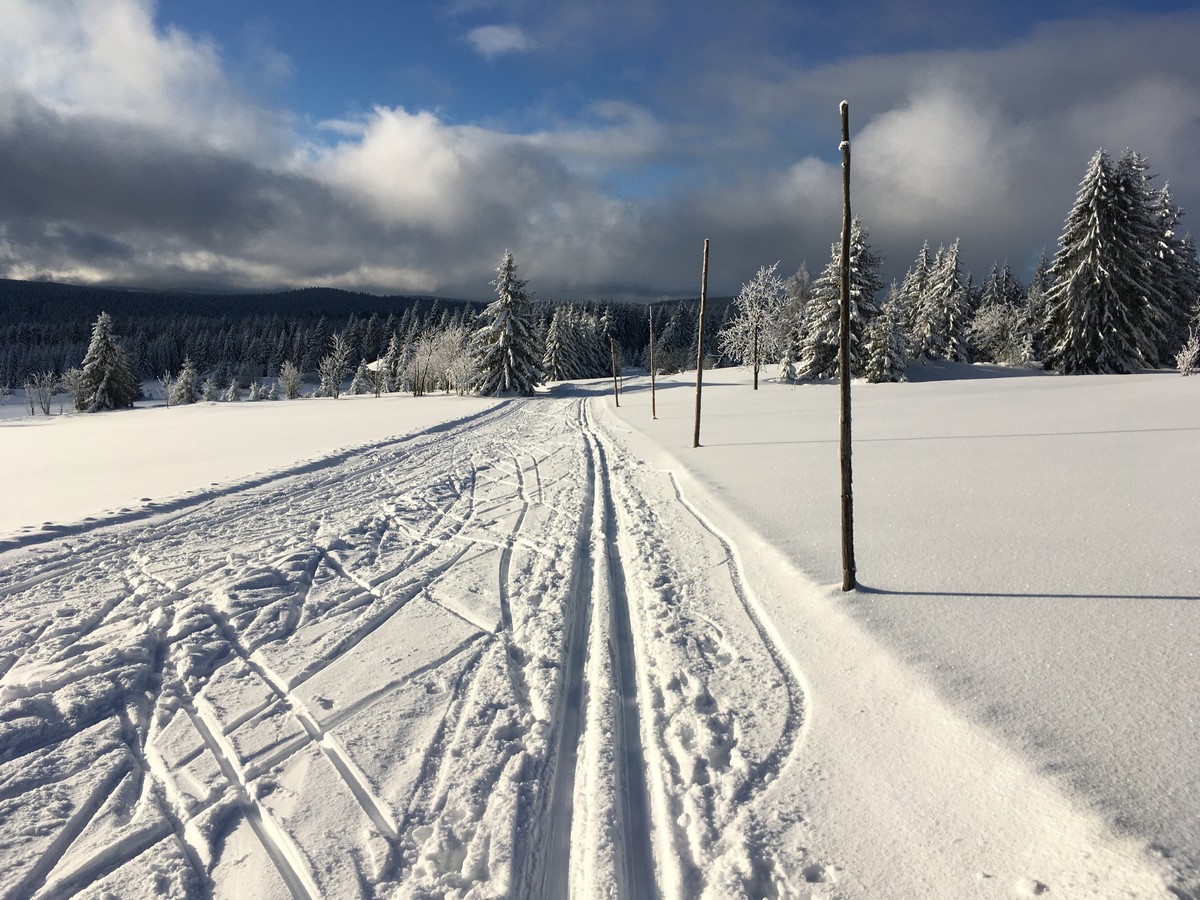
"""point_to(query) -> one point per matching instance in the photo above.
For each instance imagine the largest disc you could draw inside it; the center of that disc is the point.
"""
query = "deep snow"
(352, 676)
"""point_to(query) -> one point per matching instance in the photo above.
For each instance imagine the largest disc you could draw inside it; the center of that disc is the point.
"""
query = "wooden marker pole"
(849, 582)
(612, 351)
(700, 344)
(653, 411)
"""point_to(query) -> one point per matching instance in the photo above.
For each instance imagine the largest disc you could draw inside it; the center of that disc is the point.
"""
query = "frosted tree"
(1100, 309)
(208, 390)
(290, 380)
(363, 381)
(1001, 334)
(459, 363)
(752, 335)
(819, 356)
(108, 378)
(798, 290)
(884, 345)
(506, 347)
(233, 393)
(1189, 354)
(332, 368)
(1001, 330)
(39, 391)
(184, 389)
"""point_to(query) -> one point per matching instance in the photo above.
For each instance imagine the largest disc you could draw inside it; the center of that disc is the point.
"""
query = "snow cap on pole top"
(843, 106)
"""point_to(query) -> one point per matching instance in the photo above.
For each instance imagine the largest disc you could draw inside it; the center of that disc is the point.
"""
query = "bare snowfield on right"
(1009, 703)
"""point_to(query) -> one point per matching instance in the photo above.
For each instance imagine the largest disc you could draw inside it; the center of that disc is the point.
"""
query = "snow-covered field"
(547, 648)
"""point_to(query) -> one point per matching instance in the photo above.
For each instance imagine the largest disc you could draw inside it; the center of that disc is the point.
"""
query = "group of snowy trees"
(1121, 293)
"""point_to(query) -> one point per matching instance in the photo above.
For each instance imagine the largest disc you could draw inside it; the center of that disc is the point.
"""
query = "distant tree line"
(271, 344)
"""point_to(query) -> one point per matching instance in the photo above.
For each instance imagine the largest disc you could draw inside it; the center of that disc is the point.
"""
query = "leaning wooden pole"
(848, 568)
(653, 411)
(612, 351)
(700, 343)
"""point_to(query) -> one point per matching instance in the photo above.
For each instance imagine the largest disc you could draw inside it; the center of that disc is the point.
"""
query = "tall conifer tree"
(506, 347)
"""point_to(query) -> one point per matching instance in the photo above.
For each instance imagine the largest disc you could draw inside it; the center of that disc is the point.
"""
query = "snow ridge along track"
(492, 658)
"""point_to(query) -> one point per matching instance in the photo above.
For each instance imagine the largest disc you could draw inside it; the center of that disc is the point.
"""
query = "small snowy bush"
(1189, 355)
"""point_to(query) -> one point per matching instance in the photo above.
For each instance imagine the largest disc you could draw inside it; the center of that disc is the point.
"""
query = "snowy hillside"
(546, 648)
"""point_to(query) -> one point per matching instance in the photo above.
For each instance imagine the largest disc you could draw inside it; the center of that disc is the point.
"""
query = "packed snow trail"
(498, 657)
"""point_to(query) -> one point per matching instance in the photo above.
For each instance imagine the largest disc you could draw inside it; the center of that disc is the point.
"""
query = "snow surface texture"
(549, 650)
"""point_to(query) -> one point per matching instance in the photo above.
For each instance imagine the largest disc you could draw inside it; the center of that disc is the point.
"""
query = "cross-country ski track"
(548, 650)
(487, 660)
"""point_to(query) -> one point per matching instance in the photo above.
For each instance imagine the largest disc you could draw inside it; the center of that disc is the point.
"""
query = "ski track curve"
(423, 631)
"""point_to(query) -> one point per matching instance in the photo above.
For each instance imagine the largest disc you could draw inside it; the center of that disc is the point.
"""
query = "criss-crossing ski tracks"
(491, 658)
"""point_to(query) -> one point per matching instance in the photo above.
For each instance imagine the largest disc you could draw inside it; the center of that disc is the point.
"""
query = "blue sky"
(402, 146)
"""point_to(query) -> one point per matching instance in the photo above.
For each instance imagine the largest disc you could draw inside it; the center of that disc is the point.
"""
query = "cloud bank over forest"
(131, 155)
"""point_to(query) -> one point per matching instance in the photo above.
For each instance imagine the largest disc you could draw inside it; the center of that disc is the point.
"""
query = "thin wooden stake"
(653, 411)
(700, 344)
(612, 350)
(849, 581)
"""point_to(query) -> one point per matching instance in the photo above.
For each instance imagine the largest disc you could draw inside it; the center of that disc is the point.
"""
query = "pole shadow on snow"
(992, 595)
(958, 437)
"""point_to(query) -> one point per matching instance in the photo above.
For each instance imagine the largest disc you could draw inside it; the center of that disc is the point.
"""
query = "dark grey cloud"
(173, 177)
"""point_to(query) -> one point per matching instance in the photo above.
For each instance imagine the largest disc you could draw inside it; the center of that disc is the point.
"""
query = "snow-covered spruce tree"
(912, 299)
(506, 348)
(273, 391)
(940, 325)
(1100, 315)
(390, 364)
(752, 335)
(592, 359)
(208, 390)
(1035, 305)
(184, 388)
(1176, 270)
(885, 347)
(819, 356)
(332, 368)
(108, 378)
(233, 393)
(1002, 287)
(558, 361)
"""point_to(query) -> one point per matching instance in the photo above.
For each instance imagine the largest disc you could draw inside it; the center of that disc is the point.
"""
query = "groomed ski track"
(489, 659)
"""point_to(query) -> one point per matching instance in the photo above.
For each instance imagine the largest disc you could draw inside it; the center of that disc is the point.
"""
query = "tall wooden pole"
(700, 343)
(612, 351)
(848, 568)
(653, 411)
